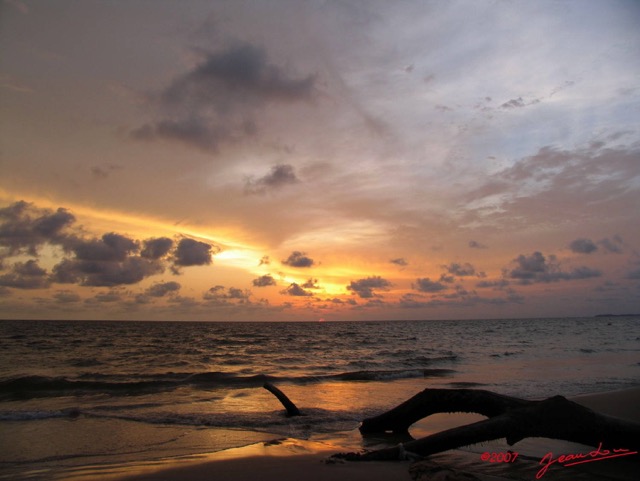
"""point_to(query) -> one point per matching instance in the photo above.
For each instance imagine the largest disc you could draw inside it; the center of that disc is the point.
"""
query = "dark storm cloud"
(295, 290)
(264, 281)
(215, 102)
(427, 285)
(400, 261)
(298, 259)
(583, 246)
(24, 227)
(537, 268)
(25, 275)
(191, 252)
(156, 248)
(364, 288)
(163, 288)
(279, 176)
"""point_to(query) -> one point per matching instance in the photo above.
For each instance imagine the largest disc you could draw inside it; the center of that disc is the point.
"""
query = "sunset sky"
(306, 160)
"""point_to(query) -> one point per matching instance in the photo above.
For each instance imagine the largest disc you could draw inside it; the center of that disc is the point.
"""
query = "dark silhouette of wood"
(511, 418)
(432, 401)
(292, 409)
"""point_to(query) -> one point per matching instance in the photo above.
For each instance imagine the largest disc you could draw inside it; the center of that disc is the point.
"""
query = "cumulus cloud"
(364, 288)
(427, 285)
(264, 281)
(111, 247)
(583, 246)
(25, 275)
(461, 270)
(298, 259)
(219, 295)
(130, 270)
(311, 284)
(296, 290)
(280, 175)
(24, 227)
(215, 102)
(190, 252)
(537, 268)
(163, 288)
(156, 248)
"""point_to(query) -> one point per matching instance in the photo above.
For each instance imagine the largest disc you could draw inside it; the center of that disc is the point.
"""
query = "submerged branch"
(292, 409)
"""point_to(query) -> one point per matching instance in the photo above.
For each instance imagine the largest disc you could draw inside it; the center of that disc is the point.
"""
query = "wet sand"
(290, 459)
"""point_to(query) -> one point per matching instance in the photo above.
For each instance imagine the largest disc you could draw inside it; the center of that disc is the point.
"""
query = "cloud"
(583, 246)
(232, 296)
(295, 290)
(111, 247)
(311, 284)
(24, 227)
(25, 275)
(427, 285)
(190, 252)
(216, 101)
(162, 289)
(264, 281)
(65, 296)
(364, 288)
(612, 245)
(298, 259)
(537, 268)
(113, 295)
(461, 270)
(103, 172)
(476, 245)
(497, 284)
(400, 261)
(130, 270)
(156, 248)
(279, 176)
(460, 299)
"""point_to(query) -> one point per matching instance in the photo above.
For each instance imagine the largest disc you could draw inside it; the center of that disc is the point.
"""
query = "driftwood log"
(508, 417)
(292, 409)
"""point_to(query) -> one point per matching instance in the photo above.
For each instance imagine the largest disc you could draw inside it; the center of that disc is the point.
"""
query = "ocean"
(77, 394)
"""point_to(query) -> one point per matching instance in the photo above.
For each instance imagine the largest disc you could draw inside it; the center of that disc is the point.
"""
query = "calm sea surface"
(77, 393)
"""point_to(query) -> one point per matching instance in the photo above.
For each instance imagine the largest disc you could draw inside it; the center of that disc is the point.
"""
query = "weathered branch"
(432, 401)
(292, 409)
(510, 418)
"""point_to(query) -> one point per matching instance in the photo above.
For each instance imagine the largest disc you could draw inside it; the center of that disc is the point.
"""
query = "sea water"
(79, 393)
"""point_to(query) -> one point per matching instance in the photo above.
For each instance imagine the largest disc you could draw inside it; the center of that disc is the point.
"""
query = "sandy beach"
(291, 459)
